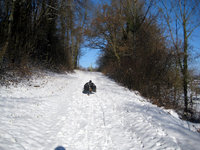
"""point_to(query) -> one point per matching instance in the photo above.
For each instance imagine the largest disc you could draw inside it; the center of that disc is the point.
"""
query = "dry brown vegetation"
(137, 53)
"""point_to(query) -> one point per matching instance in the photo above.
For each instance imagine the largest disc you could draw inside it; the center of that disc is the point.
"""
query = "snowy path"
(53, 112)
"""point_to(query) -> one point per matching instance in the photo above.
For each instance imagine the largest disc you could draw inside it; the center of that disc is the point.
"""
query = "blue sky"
(90, 55)
(195, 43)
(89, 58)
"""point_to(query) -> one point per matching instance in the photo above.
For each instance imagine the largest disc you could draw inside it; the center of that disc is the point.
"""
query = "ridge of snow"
(52, 111)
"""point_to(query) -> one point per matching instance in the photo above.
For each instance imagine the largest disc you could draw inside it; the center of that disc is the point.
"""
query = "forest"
(145, 44)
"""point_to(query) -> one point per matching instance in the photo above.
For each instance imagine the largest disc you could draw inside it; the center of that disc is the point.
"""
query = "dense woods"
(41, 32)
(144, 44)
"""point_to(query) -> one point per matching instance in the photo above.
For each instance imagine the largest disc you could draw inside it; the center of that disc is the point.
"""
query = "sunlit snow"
(52, 111)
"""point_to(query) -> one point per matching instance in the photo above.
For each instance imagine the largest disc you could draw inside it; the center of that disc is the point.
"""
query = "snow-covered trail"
(53, 112)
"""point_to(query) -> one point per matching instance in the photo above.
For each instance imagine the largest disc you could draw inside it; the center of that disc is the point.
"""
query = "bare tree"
(184, 15)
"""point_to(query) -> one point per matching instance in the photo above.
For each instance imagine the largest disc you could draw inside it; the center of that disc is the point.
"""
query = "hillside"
(52, 111)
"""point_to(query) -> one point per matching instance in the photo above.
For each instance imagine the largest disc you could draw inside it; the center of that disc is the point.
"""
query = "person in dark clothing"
(89, 87)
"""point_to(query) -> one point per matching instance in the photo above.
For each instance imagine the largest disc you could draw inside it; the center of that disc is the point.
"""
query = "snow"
(52, 113)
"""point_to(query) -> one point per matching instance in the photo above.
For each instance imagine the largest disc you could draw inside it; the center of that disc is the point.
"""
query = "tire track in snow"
(118, 120)
(106, 133)
(114, 119)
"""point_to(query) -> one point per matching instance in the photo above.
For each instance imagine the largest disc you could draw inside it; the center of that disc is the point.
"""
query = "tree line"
(46, 33)
(145, 47)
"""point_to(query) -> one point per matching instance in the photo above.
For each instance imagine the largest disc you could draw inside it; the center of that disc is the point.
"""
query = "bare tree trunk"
(76, 49)
(5, 47)
(185, 66)
(70, 31)
(186, 12)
